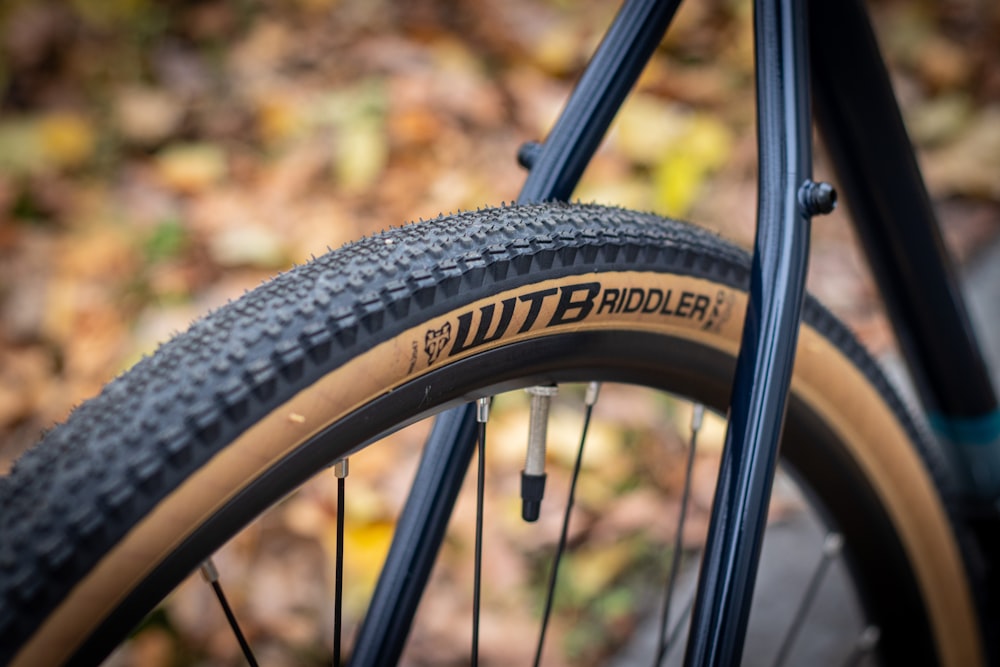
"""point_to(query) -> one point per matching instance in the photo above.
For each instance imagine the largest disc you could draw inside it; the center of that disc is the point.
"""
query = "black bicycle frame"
(861, 121)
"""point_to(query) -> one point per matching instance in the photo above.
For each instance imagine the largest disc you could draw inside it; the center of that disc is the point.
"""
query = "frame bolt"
(817, 198)
(528, 154)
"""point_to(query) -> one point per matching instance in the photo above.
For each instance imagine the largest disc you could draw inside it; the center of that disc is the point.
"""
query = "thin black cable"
(561, 547)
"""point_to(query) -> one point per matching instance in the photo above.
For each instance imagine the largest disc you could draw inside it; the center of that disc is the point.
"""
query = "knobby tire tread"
(71, 499)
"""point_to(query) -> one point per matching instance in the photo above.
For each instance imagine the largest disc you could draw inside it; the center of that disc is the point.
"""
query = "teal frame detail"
(980, 431)
(973, 444)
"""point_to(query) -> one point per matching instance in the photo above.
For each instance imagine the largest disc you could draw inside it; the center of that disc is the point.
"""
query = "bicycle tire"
(143, 482)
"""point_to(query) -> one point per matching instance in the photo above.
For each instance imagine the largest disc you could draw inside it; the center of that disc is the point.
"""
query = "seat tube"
(764, 365)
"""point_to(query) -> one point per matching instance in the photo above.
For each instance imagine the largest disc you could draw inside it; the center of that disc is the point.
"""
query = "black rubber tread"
(69, 500)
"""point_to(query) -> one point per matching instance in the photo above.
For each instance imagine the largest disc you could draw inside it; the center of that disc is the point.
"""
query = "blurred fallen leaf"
(361, 152)
(417, 127)
(939, 120)
(21, 151)
(943, 63)
(67, 139)
(147, 116)
(591, 570)
(642, 510)
(712, 434)
(257, 58)
(103, 13)
(280, 117)
(627, 192)
(357, 118)
(559, 50)
(969, 165)
(647, 128)
(365, 548)
(24, 374)
(248, 245)
(191, 168)
(153, 647)
(702, 148)
(166, 240)
(303, 515)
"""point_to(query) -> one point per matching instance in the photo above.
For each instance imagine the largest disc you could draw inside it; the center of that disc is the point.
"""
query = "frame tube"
(415, 545)
(867, 141)
(616, 65)
(767, 352)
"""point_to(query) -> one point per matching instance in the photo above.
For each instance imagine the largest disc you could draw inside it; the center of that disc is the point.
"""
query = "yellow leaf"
(704, 146)
(367, 543)
(21, 151)
(362, 152)
(558, 50)
(191, 167)
(677, 182)
(631, 192)
(707, 140)
(67, 139)
(647, 128)
(365, 549)
(594, 570)
(280, 118)
(55, 141)
(357, 119)
(108, 12)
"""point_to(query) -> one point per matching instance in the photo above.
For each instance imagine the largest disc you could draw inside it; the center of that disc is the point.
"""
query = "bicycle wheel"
(145, 481)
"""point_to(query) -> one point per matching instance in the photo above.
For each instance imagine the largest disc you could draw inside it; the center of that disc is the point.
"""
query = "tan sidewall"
(827, 383)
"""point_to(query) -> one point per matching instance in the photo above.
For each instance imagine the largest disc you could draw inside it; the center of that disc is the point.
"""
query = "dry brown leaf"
(147, 116)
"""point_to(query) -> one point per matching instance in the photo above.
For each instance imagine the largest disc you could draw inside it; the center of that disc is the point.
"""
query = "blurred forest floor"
(160, 158)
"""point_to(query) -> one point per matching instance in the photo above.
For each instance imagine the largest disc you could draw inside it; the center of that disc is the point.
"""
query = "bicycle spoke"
(832, 546)
(679, 625)
(340, 469)
(697, 417)
(865, 644)
(482, 415)
(211, 575)
(593, 390)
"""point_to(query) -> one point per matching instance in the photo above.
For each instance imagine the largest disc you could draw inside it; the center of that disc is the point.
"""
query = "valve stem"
(533, 475)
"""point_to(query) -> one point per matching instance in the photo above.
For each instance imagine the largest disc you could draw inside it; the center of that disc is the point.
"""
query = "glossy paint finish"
(851, 89)
(767, 353)
(892, 213)
(556, 168)
(619, 60)
(418, 538)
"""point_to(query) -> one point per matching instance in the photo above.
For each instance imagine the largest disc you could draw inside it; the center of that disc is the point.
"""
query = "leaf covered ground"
(159, 158)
